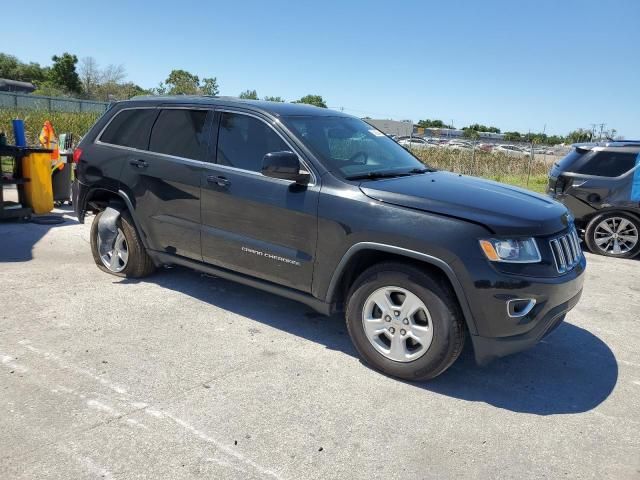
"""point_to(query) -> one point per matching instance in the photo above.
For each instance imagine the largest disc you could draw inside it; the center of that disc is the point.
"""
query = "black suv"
(600, 184)
(322, 208)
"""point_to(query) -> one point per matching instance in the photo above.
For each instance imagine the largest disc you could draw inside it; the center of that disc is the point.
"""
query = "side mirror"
(284, 165)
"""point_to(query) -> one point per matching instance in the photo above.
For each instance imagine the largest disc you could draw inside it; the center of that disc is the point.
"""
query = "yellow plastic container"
(38, 190)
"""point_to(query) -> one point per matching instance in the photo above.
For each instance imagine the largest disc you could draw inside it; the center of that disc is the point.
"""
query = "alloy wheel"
(615, 235)
(116, 259)
(397, 324)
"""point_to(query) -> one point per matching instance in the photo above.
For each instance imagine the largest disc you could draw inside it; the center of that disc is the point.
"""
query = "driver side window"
(243, 141)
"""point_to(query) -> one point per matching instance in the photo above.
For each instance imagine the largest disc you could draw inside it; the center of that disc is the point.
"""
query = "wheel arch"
(100, 198)
(363, 255)
(634, 212)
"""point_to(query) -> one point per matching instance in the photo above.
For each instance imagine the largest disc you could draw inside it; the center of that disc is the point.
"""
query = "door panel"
(253, 224)
(167, 201)
(165, 181)
(260, 226)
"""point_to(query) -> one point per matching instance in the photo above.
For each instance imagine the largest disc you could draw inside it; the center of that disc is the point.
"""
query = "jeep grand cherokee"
(321, 207)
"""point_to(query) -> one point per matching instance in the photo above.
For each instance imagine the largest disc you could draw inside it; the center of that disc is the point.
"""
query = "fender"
(82, 207)
(435, 261)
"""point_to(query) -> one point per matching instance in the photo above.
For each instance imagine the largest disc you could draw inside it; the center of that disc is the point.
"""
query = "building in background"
(16, 86)
(402, 128)
(456, 133)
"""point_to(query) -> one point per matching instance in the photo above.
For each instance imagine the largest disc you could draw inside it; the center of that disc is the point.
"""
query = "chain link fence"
(18, 101)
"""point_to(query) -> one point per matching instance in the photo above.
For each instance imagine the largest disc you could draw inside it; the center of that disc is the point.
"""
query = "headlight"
(508, 250)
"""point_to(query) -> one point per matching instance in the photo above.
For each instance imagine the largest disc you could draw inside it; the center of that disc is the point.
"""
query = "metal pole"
(530, 162)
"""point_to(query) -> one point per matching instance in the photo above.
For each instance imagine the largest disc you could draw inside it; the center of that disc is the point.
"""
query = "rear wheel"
(126, 256)
(614, 234)
(404, 322)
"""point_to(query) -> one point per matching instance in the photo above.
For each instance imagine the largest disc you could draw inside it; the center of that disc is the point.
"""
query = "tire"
(627, 224)
(442, 316)
(138, 263)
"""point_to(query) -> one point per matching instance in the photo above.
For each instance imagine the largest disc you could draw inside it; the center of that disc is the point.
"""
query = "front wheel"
(126, 255)
(614, 234)
(404, 322)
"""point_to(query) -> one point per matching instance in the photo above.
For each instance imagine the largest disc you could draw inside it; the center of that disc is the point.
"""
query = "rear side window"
(243, 141)
(130, 128)
(608, 164)
(181, 133)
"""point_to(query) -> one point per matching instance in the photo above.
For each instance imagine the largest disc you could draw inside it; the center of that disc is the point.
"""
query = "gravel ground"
(188, 376)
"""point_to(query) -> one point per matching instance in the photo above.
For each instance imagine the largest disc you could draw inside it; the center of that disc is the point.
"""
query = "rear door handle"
(220, 180)
(139, 163)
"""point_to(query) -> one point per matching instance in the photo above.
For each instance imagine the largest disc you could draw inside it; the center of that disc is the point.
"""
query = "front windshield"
(351, 147)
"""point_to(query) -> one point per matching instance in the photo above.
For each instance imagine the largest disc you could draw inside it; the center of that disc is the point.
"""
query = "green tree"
(555, 140)
(433, 124)
(210, 86)
(63, 73)
(316, 100)
(512, 136)
(249, 95)
(50, 89)
(483, 128)
(273, 99)
(181, 82)
(111, 91)
(13, 69)
(468, 132)
(579, 135)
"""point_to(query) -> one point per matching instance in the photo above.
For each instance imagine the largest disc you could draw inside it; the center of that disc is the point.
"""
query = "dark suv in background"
(600, 184)
(322, 208)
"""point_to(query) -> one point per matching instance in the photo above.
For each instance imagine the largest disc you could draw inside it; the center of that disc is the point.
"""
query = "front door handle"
(139, 163)
(218, 180)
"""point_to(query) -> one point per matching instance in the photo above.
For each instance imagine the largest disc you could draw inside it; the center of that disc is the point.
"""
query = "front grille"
(566, 250)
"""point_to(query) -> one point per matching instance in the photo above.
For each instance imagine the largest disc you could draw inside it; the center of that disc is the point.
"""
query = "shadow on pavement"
(571, 371)
(18, 238)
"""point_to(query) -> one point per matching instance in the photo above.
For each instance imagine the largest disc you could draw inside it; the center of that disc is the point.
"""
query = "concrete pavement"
(186, 376)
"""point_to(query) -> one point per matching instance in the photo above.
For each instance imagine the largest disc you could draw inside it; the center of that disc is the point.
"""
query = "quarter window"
(181, 133)
(243, 141)
(130, 128)
(608, 164)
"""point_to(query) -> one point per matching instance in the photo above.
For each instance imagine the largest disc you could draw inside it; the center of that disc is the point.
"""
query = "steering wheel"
(354, 157)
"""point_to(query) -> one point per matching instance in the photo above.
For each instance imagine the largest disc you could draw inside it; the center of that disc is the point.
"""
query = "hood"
(503, 209)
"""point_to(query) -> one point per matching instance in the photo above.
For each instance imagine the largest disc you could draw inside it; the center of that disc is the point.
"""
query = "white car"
(511, 150)
(459, 145)
(416, 143)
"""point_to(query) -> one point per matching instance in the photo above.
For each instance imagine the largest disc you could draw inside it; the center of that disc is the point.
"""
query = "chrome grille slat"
(566, 251)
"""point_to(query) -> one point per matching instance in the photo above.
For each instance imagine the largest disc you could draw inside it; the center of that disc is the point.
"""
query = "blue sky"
(516, 65)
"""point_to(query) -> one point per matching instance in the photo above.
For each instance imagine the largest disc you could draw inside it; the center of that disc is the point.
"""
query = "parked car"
(511, 150)
(416, 143)
(459, 145)
(319, 207)
(600, 184)
(542, 151)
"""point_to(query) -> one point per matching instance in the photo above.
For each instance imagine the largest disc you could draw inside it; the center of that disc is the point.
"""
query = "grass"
(519, 171)
(7, 165)
(63, 122)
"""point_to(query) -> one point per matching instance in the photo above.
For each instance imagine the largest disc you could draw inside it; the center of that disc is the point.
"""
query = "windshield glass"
(352, 147)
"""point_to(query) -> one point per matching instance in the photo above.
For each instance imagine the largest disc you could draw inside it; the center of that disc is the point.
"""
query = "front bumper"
(498, 333)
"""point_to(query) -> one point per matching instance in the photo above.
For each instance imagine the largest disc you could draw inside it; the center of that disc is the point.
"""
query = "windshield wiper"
(374, 175)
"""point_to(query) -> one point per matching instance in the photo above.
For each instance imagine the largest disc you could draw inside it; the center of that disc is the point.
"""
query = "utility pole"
(602, 125)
